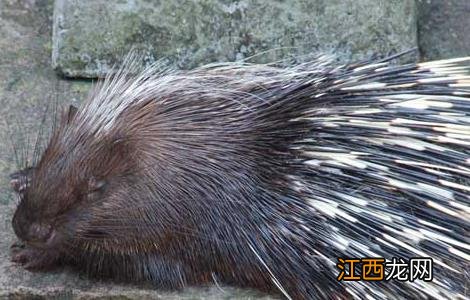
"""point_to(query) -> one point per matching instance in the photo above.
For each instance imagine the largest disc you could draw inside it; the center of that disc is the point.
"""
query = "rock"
(90, 36)
(444, 28)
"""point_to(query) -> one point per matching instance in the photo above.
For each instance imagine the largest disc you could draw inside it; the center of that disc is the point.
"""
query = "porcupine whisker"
(21, 148)
(13, 145)
(37, 150)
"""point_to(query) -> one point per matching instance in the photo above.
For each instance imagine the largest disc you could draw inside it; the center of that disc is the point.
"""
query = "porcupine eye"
(95, 185)
(94, 190)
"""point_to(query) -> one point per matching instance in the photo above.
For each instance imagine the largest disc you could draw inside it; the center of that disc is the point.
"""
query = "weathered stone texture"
(444, 28)
(90, 36)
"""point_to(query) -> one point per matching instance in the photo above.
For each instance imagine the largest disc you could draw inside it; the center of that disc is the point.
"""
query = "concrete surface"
(90, 36)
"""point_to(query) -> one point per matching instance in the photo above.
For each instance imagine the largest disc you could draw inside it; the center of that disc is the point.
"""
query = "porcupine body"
(259, 176)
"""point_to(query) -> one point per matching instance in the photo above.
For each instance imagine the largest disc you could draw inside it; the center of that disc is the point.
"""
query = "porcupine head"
(257, 176)
(156, 177)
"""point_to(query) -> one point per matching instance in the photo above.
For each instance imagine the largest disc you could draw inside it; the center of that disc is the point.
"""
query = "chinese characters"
(378, 269)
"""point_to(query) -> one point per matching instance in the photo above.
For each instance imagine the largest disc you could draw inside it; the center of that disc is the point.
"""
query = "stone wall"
(91, 36)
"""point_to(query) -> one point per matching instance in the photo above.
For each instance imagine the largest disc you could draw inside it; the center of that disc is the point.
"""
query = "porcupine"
(258, 176)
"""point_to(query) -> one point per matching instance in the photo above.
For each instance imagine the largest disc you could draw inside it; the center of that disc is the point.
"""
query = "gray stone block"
(444, 28)
(90, 36)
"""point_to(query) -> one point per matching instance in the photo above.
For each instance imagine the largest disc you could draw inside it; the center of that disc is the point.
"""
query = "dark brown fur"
(152, 194)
